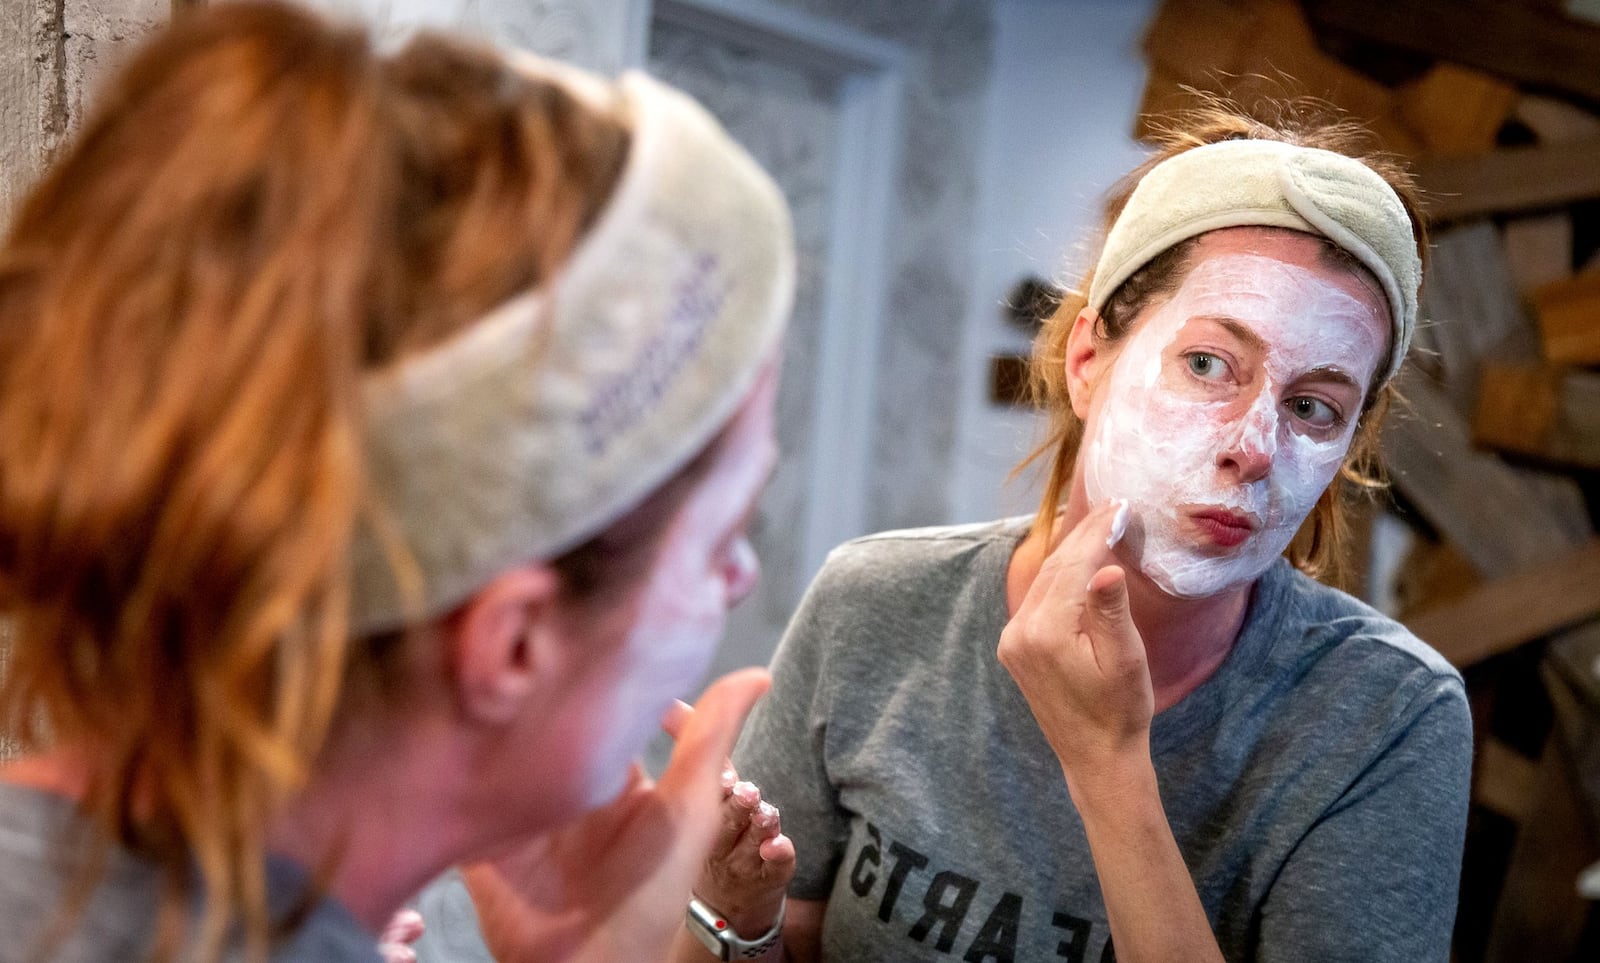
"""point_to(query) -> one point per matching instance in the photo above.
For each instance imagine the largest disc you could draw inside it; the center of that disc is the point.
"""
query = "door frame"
(869, 72)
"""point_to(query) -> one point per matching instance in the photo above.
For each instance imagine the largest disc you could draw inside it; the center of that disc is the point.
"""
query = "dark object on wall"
(1030, 302)
(1008, 379)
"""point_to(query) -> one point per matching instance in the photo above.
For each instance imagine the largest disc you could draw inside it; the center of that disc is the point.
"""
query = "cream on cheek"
(1162, 439)
(664, 657)
(675, 632)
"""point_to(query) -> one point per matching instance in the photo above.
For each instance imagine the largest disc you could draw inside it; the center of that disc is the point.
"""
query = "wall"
(1067, 79)
(52, 54)
(917, 415)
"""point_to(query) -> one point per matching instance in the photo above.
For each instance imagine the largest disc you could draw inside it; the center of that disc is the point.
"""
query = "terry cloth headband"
(547, 419)
(1267, 183)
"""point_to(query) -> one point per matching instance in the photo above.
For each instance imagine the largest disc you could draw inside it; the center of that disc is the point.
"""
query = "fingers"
(1109, 621)
(397, 953)
(706, 736)
(404, 928)
(778, 850)
(738, 806)
(748, 835)
(1088, 547)
(746, 878)
(677, 716)
(1119, 523)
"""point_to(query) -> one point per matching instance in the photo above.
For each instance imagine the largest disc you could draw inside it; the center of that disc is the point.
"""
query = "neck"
(383, 811)
(390, 809)
(375, 823)
(1185, 640)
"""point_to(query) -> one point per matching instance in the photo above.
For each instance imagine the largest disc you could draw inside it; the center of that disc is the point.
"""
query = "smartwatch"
(711, 929)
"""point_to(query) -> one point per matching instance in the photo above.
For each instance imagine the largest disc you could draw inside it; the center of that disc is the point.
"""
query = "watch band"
(713, 931)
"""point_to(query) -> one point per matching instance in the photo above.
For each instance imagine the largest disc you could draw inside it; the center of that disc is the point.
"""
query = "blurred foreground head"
(303, 348)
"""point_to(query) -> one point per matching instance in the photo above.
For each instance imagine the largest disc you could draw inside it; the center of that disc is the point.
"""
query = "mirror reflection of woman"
(1134, 721)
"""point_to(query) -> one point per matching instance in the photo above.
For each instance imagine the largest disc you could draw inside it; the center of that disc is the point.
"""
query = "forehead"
(1307, 307)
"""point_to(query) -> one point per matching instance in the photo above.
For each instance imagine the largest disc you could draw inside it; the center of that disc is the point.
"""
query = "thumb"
(1109, 620)
(706, 736)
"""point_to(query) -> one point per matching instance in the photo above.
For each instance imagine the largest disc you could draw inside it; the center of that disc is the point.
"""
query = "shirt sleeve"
(783, 746)
(1376, 877)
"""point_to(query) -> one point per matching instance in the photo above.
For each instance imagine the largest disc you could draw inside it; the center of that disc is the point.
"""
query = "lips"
(1226, 529)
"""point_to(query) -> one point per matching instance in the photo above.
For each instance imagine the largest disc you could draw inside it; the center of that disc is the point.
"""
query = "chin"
(1192, 577)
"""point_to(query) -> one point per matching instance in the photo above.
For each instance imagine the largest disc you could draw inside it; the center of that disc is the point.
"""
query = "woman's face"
(1230, 406)
(704, 567)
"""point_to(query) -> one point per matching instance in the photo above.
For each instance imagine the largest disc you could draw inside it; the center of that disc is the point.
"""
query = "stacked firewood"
(1494, 458)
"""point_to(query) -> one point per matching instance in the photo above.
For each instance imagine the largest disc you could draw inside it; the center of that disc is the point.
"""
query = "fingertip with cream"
(1119, 524)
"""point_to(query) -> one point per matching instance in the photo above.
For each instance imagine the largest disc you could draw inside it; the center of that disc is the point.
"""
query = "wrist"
(1112, 782)
(731, 940)
(749, 910)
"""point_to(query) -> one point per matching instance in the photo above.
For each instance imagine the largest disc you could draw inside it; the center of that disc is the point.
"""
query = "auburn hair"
(1319, 547)
(260, 208)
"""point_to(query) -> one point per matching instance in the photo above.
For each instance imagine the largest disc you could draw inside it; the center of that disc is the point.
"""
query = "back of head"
(261, 212)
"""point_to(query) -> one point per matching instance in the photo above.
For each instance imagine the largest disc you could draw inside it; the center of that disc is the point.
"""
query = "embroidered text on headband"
(1266, 183)
(550, 417)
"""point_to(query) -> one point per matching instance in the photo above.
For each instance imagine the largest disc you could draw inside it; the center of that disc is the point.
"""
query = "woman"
(1134, 723)
(376, 437)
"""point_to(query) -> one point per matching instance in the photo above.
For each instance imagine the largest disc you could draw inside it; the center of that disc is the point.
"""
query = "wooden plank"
(1164, 95)
(1456, 110)
(1504, 780)
(1525, 44)
(1192, 39)
(1542, 413)
(1431, 574)
(1540, 915)
(1471, 309)
(1500, 517)
(1252, 49)
(1556, 121)
(1568, 313)
(1513, 179)
(1502, 614)
(1571, 673)
(1282, 45)
(1538, 249)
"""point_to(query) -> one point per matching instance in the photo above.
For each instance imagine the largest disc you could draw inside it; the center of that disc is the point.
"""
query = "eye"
(1315, 412)
(1207, 367)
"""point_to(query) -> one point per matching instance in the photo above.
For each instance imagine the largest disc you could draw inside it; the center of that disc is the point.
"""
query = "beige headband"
(1267, 183)
(550, 417)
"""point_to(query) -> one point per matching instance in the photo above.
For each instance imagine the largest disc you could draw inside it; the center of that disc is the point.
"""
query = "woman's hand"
(1076, 655)
(614, 884)
(751, 861)
(394, 943)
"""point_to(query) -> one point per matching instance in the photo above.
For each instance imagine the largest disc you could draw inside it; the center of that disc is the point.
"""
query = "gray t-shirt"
(1316, 783)
(117, 923)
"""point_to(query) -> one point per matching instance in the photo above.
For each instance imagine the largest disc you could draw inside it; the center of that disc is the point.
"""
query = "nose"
(1249, 455)
(743, 572)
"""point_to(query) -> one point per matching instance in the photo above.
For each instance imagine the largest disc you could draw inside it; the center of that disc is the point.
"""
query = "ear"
(501, 644)
(1086, 356)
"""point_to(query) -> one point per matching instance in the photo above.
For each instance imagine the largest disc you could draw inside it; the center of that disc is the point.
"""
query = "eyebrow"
(1238, 330)
(1329, 372)
(1325, 372)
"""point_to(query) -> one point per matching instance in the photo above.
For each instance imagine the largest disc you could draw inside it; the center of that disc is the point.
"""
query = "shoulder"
(1328, 620)
(907, 560)
(1353, 659)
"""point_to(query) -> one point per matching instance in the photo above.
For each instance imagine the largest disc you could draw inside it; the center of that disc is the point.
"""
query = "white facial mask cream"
(1227, 413)
(703, 558)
